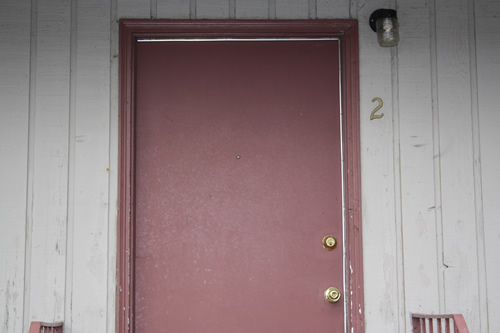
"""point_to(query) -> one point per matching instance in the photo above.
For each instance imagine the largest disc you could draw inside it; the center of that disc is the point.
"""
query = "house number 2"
(379, 106)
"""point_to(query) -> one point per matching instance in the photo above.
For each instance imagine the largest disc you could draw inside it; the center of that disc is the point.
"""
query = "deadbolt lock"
(329, 242)
(332, 295)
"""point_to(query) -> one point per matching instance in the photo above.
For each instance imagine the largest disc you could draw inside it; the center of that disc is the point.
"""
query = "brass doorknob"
(332, 295)
(329, 242)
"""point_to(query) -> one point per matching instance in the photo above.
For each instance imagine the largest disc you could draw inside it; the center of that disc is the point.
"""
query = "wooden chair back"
(42, 327)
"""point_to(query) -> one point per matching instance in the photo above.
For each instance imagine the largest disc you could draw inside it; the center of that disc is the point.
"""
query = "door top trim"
(142, 40)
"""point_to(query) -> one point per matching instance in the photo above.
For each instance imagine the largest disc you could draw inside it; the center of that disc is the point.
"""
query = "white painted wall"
(429, 167)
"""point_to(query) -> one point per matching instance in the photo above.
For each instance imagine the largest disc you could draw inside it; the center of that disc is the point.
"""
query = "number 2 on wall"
(380, 104)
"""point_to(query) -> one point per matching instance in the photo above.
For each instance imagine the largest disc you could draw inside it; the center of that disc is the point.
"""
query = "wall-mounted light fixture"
(385, 23)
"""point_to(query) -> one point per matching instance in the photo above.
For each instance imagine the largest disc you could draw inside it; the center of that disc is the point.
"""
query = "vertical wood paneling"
(333, 9)
(378, 181)
(488, 73)
(71, 174)
(418, 203)
(14, 122)
(256, 9)
(133, 8)
(214, 9)
(91, 160)
(436, 150)
(292, 9)
(456, 158)
(50, 160)
(173, 9)
(482, 292)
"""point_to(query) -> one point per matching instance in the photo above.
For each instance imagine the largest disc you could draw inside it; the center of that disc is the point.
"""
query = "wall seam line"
(68, 318)
(353, 9)
(31, 161)
(153, 9)
(398, 218)
(398, 199)
(232, 9)
(477, 170)
(437, 156)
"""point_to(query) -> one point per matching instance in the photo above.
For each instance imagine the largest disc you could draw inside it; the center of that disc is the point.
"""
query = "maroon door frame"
(347, 32)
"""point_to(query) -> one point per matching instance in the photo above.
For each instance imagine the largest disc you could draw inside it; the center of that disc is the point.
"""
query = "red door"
(237, 181)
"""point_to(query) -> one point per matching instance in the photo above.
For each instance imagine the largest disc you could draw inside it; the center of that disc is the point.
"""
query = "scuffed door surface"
(238, 178)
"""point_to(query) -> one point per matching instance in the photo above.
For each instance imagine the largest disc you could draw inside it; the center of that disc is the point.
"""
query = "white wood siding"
(417, 185)
(487, 42)
(45, 275)
(379, 219)
(15, 18)
(431, 226)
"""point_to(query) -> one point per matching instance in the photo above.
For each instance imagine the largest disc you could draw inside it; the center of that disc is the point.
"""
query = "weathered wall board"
(14, 140)
(90, 143)
(420, 212)
(487, 43)
(380, 222)
(45, 276)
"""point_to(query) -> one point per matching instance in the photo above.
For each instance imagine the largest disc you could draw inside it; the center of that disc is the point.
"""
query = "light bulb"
(385, 23)
(388, 31)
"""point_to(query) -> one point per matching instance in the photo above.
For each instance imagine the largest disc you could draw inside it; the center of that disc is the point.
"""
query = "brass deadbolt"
(332, 295)
(329, 242)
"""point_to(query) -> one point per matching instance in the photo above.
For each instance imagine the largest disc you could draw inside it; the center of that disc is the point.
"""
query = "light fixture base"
(381, 13)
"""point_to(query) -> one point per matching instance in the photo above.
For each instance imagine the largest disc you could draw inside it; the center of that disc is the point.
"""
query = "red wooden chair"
(41, 327)
(452, 323)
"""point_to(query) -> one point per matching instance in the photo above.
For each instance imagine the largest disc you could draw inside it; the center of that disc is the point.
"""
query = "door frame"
(346, 31)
